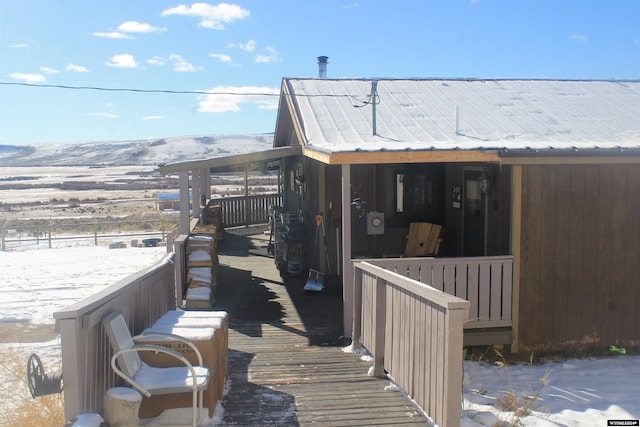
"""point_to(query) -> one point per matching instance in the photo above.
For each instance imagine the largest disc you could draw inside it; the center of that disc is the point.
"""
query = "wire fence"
(83, 233)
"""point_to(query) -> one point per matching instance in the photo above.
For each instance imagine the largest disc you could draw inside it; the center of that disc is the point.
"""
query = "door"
(474, 214)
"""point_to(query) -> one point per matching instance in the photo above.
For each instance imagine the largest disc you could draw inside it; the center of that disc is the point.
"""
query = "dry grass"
(520, 404)
(17, 408)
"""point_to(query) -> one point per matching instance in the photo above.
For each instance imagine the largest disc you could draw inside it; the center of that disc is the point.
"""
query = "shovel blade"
(315, 282)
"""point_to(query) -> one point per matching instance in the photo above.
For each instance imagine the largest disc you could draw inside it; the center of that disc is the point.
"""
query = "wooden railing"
(415, 333)
(486, 282)
(247, 210)
(143, 297)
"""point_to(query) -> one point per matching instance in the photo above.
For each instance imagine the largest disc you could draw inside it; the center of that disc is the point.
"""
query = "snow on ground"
(569, 393)
(37, 282)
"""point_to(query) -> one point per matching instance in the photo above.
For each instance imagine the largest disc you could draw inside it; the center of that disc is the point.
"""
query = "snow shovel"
(315, 281)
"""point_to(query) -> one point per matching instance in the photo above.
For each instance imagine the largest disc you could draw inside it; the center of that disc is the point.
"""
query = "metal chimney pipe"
(322, 66)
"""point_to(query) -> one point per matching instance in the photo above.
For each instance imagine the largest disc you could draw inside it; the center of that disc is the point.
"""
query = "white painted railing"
(143, 297)
(486, 282)
(415, 333)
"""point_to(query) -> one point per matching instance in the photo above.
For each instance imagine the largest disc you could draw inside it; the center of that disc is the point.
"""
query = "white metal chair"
(151, 380)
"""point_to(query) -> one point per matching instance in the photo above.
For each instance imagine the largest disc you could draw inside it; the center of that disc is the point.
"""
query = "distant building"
(168, 201)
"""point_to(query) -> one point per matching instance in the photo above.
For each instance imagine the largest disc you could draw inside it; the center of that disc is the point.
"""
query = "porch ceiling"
(236, 162)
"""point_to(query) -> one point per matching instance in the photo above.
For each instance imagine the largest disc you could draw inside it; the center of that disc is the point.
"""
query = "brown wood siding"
(580, 252)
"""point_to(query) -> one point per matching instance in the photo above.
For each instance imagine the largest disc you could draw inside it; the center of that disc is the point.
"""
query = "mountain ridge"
(132, 152)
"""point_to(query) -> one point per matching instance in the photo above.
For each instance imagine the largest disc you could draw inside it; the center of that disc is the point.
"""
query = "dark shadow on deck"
(246, 294)
(284, 366)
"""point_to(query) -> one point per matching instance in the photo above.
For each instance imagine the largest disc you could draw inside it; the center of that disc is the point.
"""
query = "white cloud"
(229, 98)
(19, 45)
(113, 35)
(153, 118)
(28, 78)
(178, 63)
(76, 68)
(181, 65)
(129, 27)
(48, 70)
(271, 56)
(221, 56)
(139, 27)
(211, 16)
(157, 60)
(248, 47)
(123, 60)
(104, 115)
(579, 38)
(353, 5)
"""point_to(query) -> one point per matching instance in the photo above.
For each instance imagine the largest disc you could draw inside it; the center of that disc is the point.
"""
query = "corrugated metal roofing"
(415, 114)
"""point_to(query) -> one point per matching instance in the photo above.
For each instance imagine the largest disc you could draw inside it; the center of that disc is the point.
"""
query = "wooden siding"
(580, 250)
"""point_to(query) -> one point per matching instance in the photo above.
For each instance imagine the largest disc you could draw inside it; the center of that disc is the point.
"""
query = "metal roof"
(336, 115)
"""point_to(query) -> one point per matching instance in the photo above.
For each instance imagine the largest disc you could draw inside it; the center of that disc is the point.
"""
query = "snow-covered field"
(37, 282)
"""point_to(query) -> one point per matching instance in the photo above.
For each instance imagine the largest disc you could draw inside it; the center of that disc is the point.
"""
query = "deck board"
(286, 363)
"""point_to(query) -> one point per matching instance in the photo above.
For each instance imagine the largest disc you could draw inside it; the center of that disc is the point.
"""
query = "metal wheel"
(35, 372)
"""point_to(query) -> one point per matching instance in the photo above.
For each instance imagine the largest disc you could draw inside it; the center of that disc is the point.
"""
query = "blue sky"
(247, 47)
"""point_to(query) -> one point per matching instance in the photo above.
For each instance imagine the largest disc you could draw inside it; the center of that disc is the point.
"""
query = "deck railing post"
(453, 359)
(380, 322)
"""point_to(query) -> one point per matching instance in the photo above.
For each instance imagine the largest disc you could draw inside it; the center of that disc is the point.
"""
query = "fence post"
(246, 197)
(380, 322)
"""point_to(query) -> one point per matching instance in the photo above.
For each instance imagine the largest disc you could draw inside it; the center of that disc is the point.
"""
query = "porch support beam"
(516, 241)
(205, 175)
(347, 269)
(184, 202)
(566, 160)
(196, 191)
(405, 156)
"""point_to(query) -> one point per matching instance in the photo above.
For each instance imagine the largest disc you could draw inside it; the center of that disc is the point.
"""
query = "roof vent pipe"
(322, 66)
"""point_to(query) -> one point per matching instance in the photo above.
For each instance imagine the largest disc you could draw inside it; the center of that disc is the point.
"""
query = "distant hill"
(136, 152)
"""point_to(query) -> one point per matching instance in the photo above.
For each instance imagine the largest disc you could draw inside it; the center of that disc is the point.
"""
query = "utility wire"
(108, 89)
(183, 92)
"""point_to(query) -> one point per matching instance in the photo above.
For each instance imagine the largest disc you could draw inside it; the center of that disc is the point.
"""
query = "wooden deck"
(286, 364)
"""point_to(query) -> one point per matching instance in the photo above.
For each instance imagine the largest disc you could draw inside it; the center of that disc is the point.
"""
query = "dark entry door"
(475, 215)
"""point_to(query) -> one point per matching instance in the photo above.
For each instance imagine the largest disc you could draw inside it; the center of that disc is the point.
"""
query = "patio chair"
(151, 380)
(423, 239)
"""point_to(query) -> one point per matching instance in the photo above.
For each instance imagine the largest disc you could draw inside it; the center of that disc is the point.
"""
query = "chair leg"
(200, 405)
(194, 406)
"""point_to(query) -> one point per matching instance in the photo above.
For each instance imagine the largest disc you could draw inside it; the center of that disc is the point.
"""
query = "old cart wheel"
(35, 371)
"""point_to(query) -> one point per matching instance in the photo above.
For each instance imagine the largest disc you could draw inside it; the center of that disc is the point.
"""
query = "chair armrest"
(154, 348)
(175, 337)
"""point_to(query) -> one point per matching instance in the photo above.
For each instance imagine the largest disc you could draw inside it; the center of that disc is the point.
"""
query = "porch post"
(196, 191)
(184, 202)
(516, 240)
(247, 218)
(347, 266)
(205, 174)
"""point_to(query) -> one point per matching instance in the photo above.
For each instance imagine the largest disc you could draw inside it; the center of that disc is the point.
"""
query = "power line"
(173, 92)
(108, 89)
